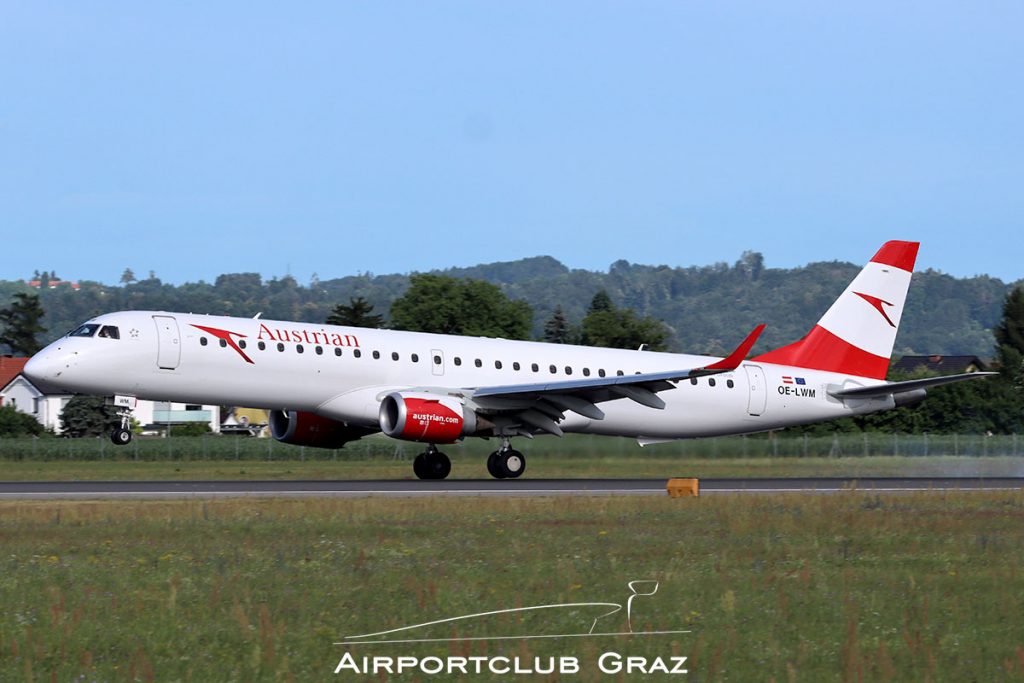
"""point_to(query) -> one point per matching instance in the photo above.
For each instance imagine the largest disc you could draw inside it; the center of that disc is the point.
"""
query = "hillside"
(709, 308)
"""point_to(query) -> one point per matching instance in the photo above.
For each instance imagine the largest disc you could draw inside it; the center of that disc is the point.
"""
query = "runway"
(58, 490)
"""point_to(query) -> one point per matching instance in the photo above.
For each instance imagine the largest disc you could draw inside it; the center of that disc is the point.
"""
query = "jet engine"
(308, 429)
(422, 416)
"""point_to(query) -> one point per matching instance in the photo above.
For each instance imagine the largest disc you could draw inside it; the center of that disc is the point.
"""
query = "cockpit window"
(85, 330)
(110, 332)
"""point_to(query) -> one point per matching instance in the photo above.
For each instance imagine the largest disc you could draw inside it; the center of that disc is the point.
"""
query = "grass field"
(471, 466)
(787, 588)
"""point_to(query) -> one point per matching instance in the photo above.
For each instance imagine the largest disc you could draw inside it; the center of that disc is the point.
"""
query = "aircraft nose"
(43, 369)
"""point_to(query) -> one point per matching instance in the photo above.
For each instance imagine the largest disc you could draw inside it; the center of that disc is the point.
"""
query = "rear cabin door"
(758, 399)
(169, 342)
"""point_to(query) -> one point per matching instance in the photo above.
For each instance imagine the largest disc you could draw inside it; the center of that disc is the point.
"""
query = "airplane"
(326, 385)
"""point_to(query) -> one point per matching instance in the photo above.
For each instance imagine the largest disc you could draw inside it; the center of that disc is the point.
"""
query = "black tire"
(513, 463)
(121, 437)
(438, 465)
(492, 466)
(419, 466)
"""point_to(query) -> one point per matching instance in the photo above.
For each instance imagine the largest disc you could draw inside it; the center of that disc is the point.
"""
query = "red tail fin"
(856, 335)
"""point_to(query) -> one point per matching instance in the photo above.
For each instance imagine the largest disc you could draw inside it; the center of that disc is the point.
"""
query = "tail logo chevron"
(878, 303)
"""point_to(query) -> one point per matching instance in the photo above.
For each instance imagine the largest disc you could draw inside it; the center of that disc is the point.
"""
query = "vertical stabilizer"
(856, 335)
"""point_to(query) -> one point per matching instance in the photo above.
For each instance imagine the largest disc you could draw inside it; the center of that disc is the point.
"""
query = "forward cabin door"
(168, 353)
(758, 398)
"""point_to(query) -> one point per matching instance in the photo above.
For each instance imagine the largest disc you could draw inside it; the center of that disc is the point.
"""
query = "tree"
(13, 422)
(556, 329)
(20, 324)
(446, 305)
(1009, 336)
(600, 302)
(88, 416)
(620, 328)
(127, 277)
(358, 313)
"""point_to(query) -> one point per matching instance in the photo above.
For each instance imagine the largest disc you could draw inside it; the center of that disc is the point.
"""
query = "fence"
(219, 447)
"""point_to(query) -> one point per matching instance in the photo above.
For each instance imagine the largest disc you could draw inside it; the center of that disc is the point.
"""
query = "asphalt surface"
(484, 487)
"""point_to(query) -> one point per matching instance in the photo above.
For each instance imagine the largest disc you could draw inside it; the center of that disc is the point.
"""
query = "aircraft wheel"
(512, 462)
(419, 466)
(438, 465)
(432, 465)
(121, 436)
(492, 466)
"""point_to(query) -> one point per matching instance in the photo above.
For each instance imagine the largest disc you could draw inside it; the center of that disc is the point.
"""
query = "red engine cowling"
(425, 417)
(308, 429)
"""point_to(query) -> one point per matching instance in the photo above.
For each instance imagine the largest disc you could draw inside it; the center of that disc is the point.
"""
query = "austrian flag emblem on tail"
(786, 379)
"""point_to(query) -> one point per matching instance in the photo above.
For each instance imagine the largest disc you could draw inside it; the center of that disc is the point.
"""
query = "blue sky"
(196, 138)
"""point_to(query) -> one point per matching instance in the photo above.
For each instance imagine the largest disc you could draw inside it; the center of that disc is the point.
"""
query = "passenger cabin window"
(586, 372)
(553, 369)
(711, 381)
(479, 363)
(601, 372)
(224, 344)
(299, 348)
(280, 347)
(437, 360)
(458, 361)
(568, 370)
(415, 358)
(241, 343)
(337, 350)
(729, 383)
(535, 367)
(109, 332)
(202, 341)
(357, 353)
(497, 365)
(515, 365)
(85, 331)
(261, 345)
(319, 350)
(376, 355)
(394, 355)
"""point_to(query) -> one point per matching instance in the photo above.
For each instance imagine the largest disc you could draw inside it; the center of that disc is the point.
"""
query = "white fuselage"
(342, 373)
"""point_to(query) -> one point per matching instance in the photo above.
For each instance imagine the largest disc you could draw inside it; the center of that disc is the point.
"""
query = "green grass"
(787, 588)
(471, 466)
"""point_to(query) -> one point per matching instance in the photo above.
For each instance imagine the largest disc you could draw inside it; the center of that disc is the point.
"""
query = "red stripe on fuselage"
(822, 350)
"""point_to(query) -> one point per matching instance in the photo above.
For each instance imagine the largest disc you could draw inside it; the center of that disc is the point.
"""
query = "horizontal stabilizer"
(909, 385)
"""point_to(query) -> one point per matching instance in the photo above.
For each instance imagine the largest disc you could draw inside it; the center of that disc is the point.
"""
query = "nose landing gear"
(122, 436)
(432, 464)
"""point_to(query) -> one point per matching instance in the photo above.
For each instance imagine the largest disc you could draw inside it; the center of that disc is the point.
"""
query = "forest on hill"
(707, 308)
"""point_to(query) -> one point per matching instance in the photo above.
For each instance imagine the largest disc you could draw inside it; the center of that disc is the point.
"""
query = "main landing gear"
(432, 464)
(122, 436)
(506, 462)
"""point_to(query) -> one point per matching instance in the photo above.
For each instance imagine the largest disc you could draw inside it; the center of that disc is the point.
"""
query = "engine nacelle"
(421, 416)
(308, 429)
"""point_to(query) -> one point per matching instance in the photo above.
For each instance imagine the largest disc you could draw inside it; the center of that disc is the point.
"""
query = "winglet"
(736, 357)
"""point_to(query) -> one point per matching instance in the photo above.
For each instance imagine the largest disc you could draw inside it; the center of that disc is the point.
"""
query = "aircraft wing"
(541, 406)
(909, 385)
